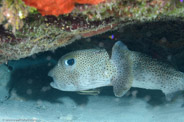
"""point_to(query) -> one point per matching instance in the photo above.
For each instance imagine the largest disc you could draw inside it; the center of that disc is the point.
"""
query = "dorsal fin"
(122, 81)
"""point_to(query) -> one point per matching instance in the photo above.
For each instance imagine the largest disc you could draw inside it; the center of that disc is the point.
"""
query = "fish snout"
(53, 83)
(50, 73)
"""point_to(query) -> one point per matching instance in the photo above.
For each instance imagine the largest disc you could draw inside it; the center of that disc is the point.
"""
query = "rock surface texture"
(24, 31)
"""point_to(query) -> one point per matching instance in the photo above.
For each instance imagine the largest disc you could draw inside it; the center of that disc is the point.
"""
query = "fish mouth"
(54, 85)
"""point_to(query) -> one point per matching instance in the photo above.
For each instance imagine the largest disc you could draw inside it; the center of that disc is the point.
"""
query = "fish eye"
(69, 62)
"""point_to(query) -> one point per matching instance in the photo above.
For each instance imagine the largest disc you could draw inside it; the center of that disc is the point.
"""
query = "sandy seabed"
(96, 109)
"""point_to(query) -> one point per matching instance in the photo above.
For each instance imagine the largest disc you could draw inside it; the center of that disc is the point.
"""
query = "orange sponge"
(57, 7)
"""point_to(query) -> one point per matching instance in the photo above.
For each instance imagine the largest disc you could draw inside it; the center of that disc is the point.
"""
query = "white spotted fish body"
(151, 74)
(82, 70)
(93, 68)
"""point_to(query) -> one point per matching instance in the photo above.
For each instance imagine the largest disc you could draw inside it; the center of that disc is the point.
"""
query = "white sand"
(97, 109)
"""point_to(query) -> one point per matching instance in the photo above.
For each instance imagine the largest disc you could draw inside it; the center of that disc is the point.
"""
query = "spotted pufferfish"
(93, 68)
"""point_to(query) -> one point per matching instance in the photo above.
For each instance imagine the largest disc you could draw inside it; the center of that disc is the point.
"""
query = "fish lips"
(53, 84)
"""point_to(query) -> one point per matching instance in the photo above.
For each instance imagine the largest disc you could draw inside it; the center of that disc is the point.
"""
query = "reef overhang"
(28, 32)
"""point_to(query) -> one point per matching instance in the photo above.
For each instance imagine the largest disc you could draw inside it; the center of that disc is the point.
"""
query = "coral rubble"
(23, 31)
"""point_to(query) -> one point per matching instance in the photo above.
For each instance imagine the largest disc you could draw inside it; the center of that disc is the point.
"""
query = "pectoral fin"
(93, 92)
(122, 81)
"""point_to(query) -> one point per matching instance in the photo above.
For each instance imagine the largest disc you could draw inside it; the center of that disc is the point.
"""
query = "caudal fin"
(122, 81)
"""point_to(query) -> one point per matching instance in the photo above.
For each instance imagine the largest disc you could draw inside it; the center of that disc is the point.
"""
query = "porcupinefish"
(93, 68)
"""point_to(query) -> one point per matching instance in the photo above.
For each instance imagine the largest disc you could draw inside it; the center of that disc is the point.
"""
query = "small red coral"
(93, 2)
(57, 7)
